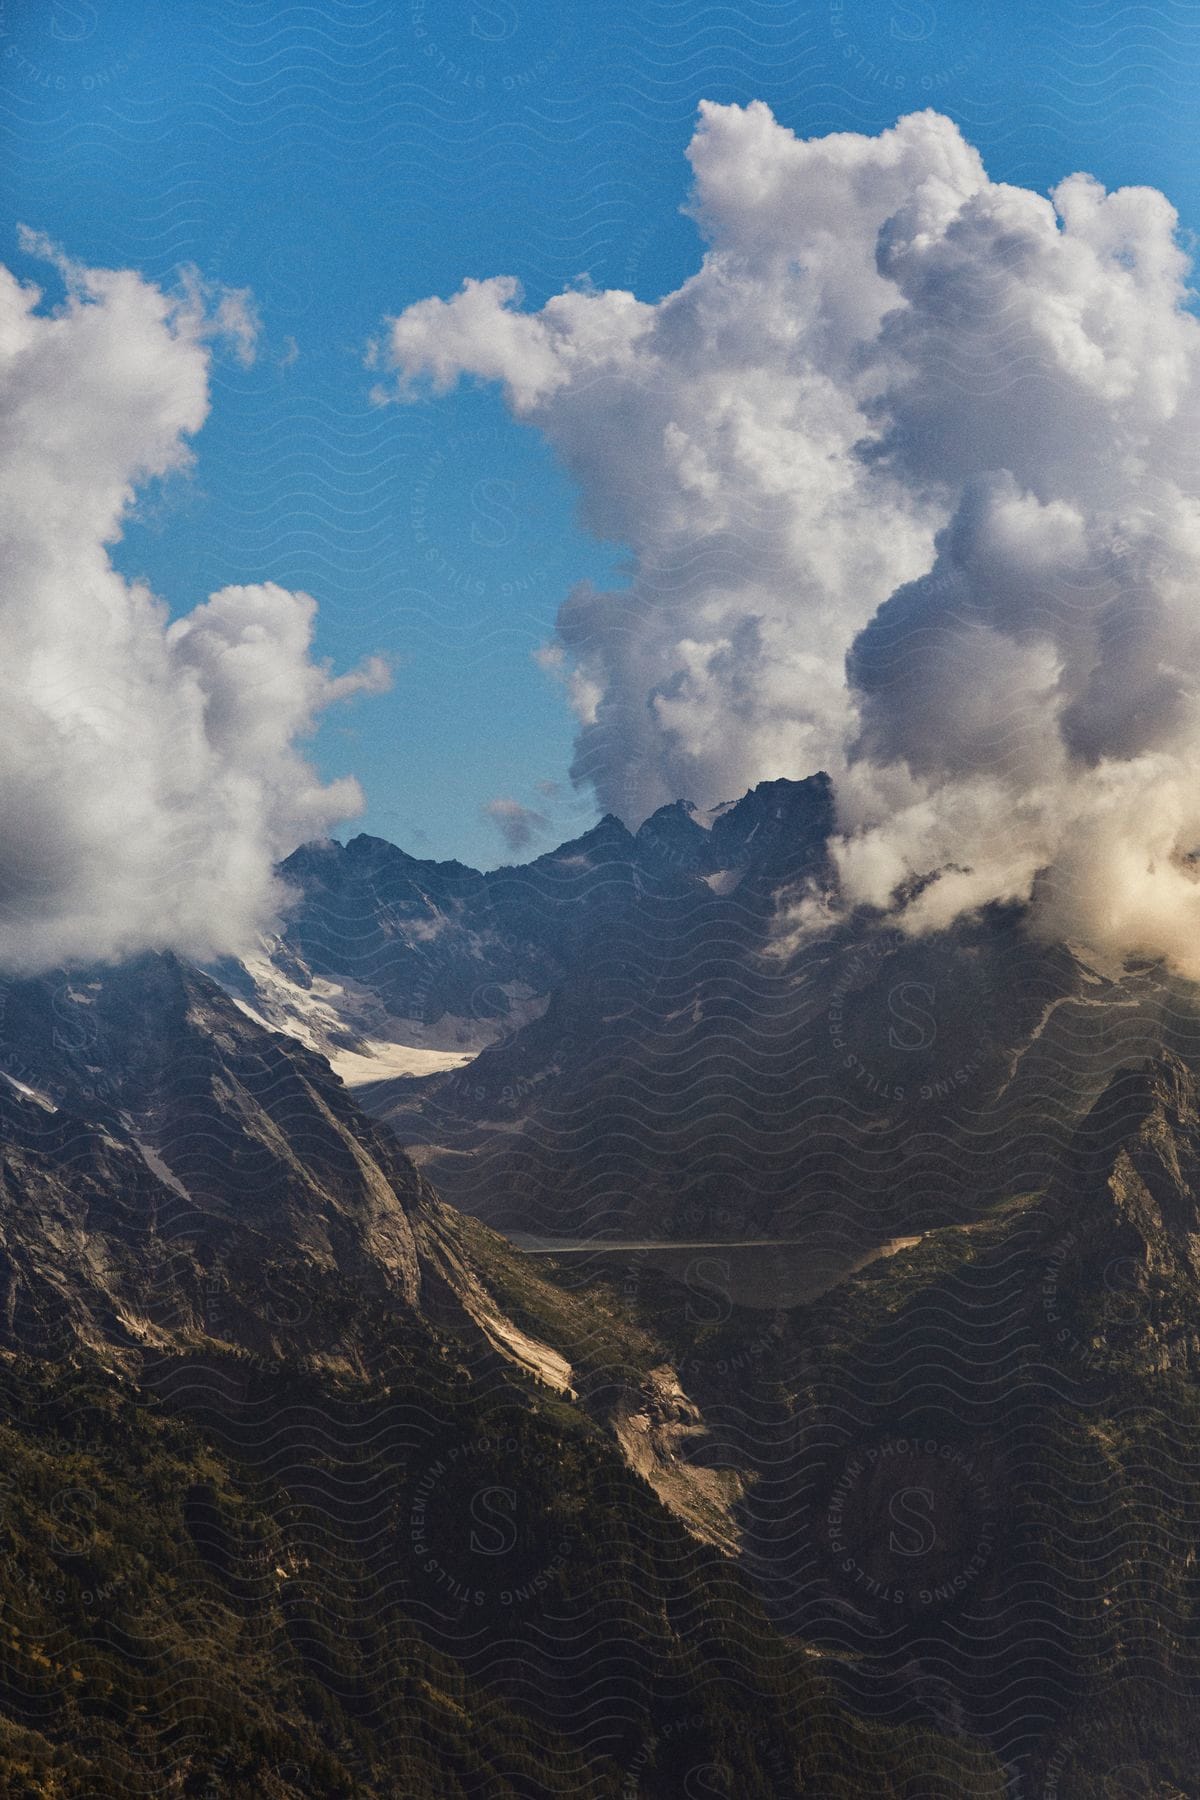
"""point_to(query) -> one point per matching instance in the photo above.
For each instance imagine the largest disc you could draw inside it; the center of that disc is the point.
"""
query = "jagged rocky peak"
(317, 855)
(778, 829)
(373, 865)
(781, 826)
(608, 833)
(798, 813)
(676, 835)
(367, 854)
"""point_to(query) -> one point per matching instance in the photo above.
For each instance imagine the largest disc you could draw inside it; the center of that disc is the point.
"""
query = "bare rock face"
(659, 1429)
(177, 1180)
(1126, 1237)
(172, 1172)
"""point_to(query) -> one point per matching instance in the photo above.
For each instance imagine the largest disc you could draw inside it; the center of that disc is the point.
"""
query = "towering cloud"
(148, 775)
(907, 471)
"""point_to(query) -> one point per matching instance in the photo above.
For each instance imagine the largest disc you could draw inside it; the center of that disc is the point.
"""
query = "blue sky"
(343, 160)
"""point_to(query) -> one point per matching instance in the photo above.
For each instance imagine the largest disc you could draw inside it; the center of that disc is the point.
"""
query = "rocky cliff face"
(174, 1176)
(1126, 1244)
(209, 1146)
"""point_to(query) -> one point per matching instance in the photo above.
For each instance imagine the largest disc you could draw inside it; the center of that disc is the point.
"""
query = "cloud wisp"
(149, 775)
(518, 825)
(907, 474)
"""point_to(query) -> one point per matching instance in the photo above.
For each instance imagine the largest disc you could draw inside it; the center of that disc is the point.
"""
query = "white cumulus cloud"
(907, 474)
(149, 776)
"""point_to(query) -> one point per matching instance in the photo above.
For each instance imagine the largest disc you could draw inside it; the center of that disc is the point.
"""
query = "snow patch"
(155, 1163)
(706, 820)
(380, 1061)
(725, 880)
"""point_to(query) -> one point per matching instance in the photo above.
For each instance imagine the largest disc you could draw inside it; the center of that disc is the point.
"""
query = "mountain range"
(827, 1425)
(680, 1033)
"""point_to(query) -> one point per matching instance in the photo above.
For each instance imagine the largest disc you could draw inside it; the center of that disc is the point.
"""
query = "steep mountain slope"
(978, 1459)
(298, 1499)
(158, 1149)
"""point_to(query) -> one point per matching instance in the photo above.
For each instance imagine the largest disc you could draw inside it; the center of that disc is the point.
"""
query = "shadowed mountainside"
(314, 1487)
(973, 1467)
